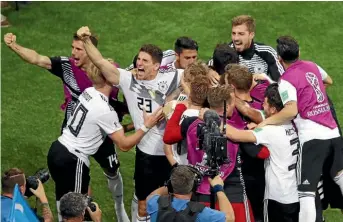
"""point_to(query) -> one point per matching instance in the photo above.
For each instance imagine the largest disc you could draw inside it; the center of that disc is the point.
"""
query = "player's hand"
(262, 124)
(97, 214)
(202, 112)
(83, 32)
(10, 39)
(214, 77)
(216, 181)
(251, 125)
(259, 76)
(134, 72)
(152, 119)
(39, 192)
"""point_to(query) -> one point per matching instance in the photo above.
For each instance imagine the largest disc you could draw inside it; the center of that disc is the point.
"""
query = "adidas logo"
(306, 182)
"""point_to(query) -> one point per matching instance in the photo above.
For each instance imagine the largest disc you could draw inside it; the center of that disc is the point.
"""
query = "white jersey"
(182, 159)
(149, 95)
(280, 168)
(92, 120)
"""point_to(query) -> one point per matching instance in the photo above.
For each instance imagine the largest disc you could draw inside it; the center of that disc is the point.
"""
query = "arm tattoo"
(46, 212)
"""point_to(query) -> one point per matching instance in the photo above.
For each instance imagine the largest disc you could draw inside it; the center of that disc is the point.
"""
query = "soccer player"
(305, 102)
(259, 58)
(146, 90)
(72, 72)
(185, 53)
(280, 168)
(87, 128)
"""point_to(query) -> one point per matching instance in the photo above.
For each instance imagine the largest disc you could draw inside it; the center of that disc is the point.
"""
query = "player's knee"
(110, 173)
(142, 208)
(339, 173)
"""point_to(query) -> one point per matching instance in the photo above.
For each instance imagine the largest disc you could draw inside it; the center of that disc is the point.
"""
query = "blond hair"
(195, 70)
(244, 19)
(217, 95)
(95, 76)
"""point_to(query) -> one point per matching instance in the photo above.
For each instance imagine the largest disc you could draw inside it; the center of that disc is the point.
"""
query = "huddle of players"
(146, 89)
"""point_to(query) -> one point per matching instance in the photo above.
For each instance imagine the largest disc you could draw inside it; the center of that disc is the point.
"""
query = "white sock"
(115, 185)
(339, 180)
(58, 211)
(142, 219)
(307, 207)
(134, 208)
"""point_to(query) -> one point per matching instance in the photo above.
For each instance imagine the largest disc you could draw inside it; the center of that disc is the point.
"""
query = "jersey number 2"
(79, 117)
(144, 103)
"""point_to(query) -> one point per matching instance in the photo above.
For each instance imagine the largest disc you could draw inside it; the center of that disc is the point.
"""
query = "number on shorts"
(111, 159)
(144, 103)
(79, 117)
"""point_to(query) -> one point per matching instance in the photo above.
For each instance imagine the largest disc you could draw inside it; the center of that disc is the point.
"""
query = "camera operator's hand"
(216, 181)
(39, 192)
(96, 215)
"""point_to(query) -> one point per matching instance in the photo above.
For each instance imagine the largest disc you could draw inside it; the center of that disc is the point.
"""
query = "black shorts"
(151, 172)
(279, 212)
(67, 170)
(106, 155)
(313, 156)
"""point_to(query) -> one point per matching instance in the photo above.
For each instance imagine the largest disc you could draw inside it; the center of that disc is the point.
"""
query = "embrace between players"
(266, 149)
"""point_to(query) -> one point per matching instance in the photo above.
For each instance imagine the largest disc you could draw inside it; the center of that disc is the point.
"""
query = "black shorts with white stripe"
(67, 170)
(314, 155)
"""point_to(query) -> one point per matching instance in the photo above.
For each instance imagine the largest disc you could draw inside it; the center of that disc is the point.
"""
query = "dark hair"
(93, 39)
(154, 51)
(182, 180)
(287, 48)
(223, 55)
(185, 43)
(73, 205)
(10, 178)
(134, 61)
(273, 96)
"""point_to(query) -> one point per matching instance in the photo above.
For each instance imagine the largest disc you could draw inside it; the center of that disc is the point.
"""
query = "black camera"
(213, 142)
(92, 206)
(32, 181)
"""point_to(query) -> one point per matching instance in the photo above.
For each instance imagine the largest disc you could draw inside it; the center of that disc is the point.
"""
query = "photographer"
(73, 208)
(183, 182)
(15, 176)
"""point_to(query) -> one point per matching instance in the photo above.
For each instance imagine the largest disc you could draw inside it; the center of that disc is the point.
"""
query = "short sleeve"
(209, 214)
(287, 92)
(323, 73)
(125, 78)
(263, 135)
(109, 122)
(152, 204)
(56, 65)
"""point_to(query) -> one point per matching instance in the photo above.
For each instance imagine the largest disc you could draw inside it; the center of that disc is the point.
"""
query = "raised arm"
(109, 71)
(26, 54)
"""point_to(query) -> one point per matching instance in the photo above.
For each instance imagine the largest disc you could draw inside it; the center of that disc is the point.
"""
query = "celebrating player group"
(283, 142)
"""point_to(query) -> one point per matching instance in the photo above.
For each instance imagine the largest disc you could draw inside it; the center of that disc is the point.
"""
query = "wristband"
(145, 129)
(218, 188)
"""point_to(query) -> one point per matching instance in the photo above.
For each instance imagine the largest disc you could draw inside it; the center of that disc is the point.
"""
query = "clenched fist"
(9, 39)
(83, 32)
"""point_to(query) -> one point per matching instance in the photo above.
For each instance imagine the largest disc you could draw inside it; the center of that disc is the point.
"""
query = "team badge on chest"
(162, 86)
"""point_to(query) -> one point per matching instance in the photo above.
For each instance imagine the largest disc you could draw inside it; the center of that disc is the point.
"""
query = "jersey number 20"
(79, 117)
